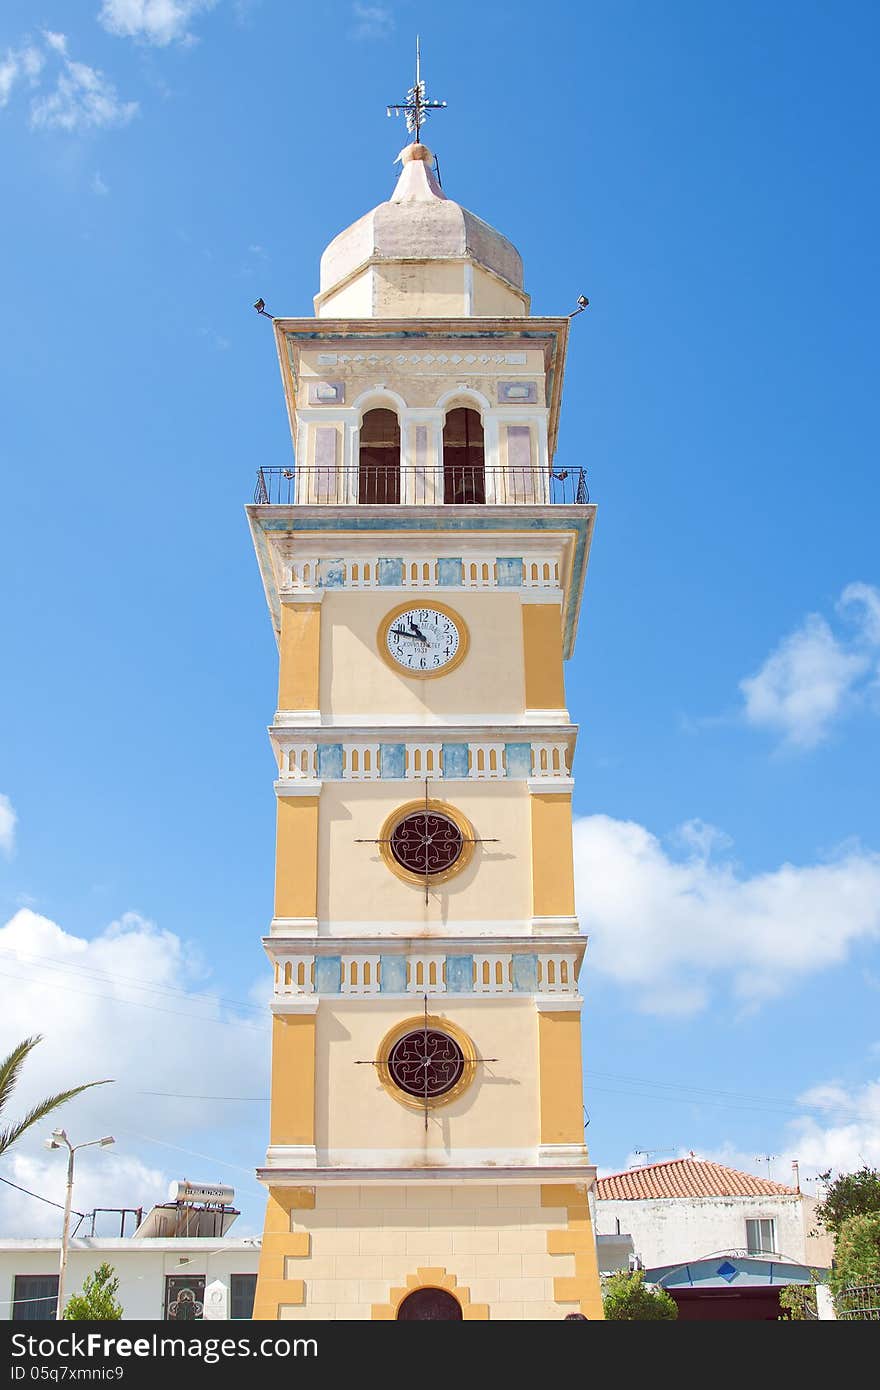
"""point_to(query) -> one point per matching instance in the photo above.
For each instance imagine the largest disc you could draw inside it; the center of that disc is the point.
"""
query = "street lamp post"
(58, 1139)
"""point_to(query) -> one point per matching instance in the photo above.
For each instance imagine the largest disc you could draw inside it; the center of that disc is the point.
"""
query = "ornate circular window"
(426, 1063)
(432, 841)
(426, 843)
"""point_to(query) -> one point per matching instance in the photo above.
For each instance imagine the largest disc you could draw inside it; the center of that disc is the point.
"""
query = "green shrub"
(856, 1256)
(626, 1298)
(97, 1302)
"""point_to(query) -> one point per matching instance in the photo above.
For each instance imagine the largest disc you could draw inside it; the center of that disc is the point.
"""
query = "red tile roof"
(686, 1177)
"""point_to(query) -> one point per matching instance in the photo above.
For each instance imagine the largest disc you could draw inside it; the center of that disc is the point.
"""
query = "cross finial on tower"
(416, 108)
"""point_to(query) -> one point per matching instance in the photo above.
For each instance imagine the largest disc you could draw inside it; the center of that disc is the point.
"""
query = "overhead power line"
(669, 1090)
(36, 1195)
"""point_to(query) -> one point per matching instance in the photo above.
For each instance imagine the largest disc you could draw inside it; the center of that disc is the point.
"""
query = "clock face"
(423, 641)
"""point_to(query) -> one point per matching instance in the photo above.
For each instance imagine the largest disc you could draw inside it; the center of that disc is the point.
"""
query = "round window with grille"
(426, 842)
(426, 1063)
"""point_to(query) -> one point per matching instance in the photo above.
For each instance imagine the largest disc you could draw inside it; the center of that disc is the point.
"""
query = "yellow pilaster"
(296, 857)
(552, 858)
(292, 1111)
(561, 1082)
(299, 656)
(542, 646)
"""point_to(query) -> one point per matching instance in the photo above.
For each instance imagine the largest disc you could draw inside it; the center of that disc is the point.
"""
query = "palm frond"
(10, 1067)
(39, 1112)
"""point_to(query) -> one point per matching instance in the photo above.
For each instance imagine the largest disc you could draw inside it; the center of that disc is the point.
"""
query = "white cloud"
(103, 1178)
(83, 99)
(864, 599)
(814, 677)
(848, 1138)
(8, 820)
(127, 1004)
(18, 64)
(839, 1130)
(158, 22)
(371, 21)
(99, 185)
(674, 931)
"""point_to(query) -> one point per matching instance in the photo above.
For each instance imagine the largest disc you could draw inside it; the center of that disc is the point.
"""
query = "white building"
(178, 1253)
(721, 1242)
(686, 1208)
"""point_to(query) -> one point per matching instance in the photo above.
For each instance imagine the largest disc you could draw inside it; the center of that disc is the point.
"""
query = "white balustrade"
(360, 762)
(493, 974)
(361, 574)
(360, 975)
(539, 573)
(298, 762)
(419, 573)
(424, 760)
(486, 761)
(294, 975)
(550, 760)
(302, 574)
(478, 572)
(557, 974)
(426, 974)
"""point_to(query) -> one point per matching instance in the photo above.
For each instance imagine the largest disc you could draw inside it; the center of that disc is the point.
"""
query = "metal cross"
(465, 839)
(416, 108)
(424, 1061)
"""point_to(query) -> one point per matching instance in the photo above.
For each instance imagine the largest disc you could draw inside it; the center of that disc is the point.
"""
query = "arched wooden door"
(379, 461)
(429, 1305)
(464, 472)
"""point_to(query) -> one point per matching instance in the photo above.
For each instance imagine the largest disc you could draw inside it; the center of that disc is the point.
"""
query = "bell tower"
(423, 562)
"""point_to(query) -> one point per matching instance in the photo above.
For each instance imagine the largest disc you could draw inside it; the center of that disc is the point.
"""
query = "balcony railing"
(455, 484)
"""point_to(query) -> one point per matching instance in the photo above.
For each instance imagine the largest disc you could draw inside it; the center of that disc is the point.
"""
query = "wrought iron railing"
(858, 1303)
(455, 484)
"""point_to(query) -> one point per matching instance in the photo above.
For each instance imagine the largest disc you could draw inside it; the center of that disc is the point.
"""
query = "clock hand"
(417, 631)
(399, 632)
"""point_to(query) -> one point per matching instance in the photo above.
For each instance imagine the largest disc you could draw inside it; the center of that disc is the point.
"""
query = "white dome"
(419, 223)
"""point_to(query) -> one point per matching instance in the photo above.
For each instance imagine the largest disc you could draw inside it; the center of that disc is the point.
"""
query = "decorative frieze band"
(493, 972)
(472, 571)
(403, 360)
(367, 761)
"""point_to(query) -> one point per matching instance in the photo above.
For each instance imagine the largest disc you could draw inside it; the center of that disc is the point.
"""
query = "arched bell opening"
(464, 457)
(379, 457)
(429, 1305)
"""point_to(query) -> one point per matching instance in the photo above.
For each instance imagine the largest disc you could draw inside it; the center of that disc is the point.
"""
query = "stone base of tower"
(356, 1252)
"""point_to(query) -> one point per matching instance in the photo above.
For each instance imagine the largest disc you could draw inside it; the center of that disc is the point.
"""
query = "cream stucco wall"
(355, 885)
(415, 381)
(494, 1120)
(355, 680)
(365, 1242)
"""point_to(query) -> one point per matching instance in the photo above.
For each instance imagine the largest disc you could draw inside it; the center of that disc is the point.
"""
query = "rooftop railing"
(452, 485)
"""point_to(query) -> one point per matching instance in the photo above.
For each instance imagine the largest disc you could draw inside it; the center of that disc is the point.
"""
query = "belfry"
(423, 561)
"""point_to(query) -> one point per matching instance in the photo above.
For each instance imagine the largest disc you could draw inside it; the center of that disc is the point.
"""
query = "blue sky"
(706, 174)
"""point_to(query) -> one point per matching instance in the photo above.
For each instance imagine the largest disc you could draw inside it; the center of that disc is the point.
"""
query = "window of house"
(761, 1236)
(379, 458)
(35, 1297)
(242, 1288)
(464, 474)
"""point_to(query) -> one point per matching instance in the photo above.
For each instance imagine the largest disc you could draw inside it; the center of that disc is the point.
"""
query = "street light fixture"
(57, 1140)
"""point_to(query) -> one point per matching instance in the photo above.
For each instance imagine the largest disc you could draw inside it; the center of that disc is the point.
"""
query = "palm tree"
(10, 1069)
